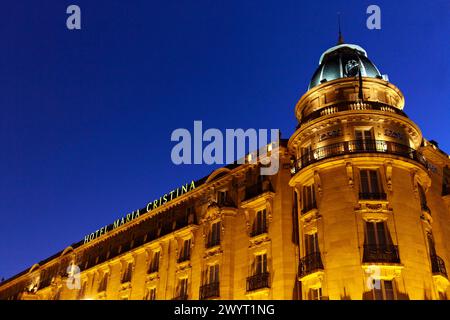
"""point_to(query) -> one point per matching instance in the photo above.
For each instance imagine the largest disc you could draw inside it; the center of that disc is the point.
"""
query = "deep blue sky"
(86, 116)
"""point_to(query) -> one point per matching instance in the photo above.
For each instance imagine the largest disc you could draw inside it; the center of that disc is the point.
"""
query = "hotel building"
(359, 209)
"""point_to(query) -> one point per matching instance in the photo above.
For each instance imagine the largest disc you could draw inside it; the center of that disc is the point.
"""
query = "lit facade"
(360, 209)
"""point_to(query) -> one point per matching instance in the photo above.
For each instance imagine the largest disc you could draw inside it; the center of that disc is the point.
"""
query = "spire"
(340, 39)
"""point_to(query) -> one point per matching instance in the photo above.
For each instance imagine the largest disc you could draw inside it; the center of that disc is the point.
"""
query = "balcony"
(438, 266)
(210, 290)
(355, 106)
(356, 147)
(372, 196)
(375, 253)
(258, 281)
(310, 264)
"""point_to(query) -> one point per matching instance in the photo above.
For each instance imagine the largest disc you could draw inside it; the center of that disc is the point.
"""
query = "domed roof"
(343, 61)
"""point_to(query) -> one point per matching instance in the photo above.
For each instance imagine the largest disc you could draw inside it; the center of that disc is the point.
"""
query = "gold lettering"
(184, 189)
(116, 223)
(86, 238)
(155, 204)
(165, 198)
(128, 217)
(171, 194)
(192, 185)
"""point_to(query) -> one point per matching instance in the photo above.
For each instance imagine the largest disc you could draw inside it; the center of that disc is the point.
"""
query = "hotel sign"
(167, 197)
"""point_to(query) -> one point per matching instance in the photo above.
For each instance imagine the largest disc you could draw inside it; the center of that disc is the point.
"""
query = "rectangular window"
(364, 140)
(154, 262)
(260, 264)
(185, 253)
(311, 243)
(363, 134)
(315, 294)
(127, 273)
(260, 223)
(384, 290)
(103, 283)
(214, 235)
(213, 273)
(369, 181)
(222, 198)
(182, 288)
(377, 234)
(151, 294)
(309, 198)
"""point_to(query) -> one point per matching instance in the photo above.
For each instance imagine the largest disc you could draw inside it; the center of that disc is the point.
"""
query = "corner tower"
(360, 185)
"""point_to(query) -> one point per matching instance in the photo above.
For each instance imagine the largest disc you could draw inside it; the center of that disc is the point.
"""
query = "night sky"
(86, 116)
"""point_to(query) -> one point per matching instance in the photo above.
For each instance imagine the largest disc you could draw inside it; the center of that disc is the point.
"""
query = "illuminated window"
(315, 294)
(384, 290)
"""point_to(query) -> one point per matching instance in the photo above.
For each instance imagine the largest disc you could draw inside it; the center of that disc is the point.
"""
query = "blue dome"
(342, 61)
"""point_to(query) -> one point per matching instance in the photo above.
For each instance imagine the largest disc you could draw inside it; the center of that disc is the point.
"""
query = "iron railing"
(258, 281)
(353, 106)
(372, 196)
(438, 266)
(381, 253)
(310, 264)
(210, 290)
(356, 147)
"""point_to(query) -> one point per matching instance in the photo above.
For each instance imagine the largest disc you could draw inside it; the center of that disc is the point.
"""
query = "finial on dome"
(340, 39)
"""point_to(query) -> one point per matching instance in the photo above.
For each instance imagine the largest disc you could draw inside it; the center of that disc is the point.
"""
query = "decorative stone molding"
(350, 175)
(389, 175)
(318, 182)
